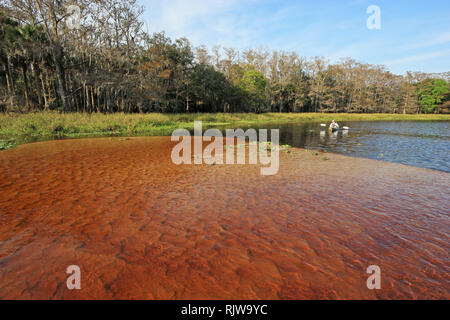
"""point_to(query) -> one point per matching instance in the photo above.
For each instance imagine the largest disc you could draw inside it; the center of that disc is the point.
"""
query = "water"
(424, 144)
(141, 227)
(415, 143)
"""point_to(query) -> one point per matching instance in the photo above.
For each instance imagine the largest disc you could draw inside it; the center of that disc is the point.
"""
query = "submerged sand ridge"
(141, 227)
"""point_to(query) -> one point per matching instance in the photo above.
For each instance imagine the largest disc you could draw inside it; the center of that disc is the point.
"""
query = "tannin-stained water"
(141, 227)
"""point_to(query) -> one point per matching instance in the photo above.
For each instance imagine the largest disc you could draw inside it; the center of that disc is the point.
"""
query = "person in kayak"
(334, 125)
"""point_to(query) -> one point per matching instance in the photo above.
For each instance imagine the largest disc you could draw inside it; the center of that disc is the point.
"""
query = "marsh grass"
(48, 125)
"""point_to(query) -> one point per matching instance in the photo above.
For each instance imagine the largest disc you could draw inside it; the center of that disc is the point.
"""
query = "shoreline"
(317, 152)
(19, 129)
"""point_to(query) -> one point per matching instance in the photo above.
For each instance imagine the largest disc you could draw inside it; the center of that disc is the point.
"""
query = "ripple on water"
(141, 227)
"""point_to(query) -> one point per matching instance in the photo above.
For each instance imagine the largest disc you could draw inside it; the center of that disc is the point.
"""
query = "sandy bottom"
(141, 227)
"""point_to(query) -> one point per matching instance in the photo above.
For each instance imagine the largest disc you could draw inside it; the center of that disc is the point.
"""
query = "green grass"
(7, 144)
(19, 128)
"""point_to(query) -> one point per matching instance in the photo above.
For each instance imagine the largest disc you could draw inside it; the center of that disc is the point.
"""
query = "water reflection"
(423, 144)
(416, 143)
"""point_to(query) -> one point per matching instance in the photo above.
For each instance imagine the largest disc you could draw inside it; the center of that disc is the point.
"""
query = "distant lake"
(417, 143)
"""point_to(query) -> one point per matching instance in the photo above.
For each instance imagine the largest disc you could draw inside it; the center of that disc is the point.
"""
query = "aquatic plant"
(7, 144)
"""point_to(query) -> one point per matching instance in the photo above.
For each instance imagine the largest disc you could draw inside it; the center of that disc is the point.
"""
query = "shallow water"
(141, 227)
(424, 144)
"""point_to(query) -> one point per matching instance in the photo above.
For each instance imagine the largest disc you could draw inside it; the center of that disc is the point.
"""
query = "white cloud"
(199, 20)
(419, 57)
(437, 40)
(310, 29)
(229, 23)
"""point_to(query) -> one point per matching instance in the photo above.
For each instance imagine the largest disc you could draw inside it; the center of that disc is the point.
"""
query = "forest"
(108, 62)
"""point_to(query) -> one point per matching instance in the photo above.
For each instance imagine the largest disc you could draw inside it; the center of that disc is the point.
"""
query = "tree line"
(108, 63)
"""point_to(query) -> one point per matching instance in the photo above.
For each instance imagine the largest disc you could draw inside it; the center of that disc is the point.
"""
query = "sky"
(414, 34)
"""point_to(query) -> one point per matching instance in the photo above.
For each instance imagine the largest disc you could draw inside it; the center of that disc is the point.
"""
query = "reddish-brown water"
(141, 227)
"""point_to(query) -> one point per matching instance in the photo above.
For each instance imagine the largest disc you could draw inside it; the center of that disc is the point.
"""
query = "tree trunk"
(25, 83)
(37, 76)
(92, 98)
(43, 91)
(85, 96)
(8, 82)
(8, 72)
(50, 89)
(187, 103)
(60, 74)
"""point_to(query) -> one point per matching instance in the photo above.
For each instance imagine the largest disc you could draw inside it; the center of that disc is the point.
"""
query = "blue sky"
(414, 35)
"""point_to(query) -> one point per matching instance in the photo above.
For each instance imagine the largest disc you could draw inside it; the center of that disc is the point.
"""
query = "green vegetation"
(114, 65)
(252, 82)
(7, 144)
(50, 124)
(432, 92)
